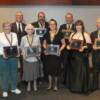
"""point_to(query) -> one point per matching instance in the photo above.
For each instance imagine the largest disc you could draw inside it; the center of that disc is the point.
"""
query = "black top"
(57, 39)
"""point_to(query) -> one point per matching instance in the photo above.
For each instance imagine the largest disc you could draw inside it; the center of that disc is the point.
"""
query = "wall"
(87, 13)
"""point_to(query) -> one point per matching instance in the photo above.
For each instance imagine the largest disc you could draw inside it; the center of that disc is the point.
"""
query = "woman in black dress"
(53, 61)
(79, 69)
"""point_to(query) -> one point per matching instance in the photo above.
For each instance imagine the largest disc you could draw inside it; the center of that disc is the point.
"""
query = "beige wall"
(87, 13)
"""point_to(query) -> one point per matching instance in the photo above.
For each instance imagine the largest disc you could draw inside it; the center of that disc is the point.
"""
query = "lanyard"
(10, 41)
(30, 43)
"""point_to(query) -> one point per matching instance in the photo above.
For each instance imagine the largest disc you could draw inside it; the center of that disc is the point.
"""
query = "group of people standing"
(80, 66)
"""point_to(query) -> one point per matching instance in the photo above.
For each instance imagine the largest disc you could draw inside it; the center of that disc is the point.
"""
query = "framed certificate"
(32, 51)
(52, 50)
(40, 31)
(11, 51)
(76, 44)
(97, 43)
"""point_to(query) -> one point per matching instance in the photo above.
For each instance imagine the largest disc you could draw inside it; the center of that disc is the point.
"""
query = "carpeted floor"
(43, 94)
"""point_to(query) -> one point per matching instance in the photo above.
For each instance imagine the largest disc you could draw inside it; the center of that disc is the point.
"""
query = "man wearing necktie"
(96, 57)
(18, 27)
(66, 29)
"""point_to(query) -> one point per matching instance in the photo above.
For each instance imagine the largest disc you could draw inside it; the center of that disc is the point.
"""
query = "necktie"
(68, 27)
(19, 28)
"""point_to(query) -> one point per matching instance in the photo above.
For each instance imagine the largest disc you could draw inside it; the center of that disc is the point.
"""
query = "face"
(52, 25)
(19, 17)
(30, 31)
(69, 19)
(78, 27)
(98, 23)
(7, 28)
(41, 18)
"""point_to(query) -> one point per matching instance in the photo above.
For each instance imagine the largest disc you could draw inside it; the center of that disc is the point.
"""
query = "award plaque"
(40, 31)
(52, 50)
(76, 44)
(97, 43)
(11, 51)
(66, 33)
(32, 51)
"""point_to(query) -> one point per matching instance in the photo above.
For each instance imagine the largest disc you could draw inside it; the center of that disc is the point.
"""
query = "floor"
(43, 94)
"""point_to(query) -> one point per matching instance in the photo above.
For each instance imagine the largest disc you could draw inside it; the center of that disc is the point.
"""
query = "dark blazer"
(19, 35)
(94, 35)
(64, 27)
(36, 25)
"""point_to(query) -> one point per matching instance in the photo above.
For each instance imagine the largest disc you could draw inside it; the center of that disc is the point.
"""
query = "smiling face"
(7, 27)
(41, 17)
(19, 17)
(29, 29)
(69, 18)
(79, 28)
(52, 25)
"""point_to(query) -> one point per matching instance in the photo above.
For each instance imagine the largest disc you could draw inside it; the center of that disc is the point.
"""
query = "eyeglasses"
(29, 29)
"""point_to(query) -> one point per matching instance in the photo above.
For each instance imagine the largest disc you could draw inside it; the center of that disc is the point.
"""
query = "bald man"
(96, 57)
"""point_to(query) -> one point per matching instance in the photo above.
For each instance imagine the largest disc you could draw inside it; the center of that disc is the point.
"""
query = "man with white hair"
(96, 56)
(18, 27)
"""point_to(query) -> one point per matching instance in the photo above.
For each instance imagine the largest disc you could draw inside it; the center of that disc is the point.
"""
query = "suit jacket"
(64, 27)
(36, 25)
(94, 35)
(19, 35)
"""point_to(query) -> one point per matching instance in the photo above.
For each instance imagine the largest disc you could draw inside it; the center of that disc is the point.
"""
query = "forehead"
(41, 14)
(19, 14)
(69, 16)
(6, 25)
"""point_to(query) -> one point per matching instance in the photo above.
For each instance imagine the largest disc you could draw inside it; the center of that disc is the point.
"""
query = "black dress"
(79, 70)
(53, 61)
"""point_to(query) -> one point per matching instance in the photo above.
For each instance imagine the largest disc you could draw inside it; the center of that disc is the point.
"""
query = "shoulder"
(94, 32)
(34, 23)
(63, 26)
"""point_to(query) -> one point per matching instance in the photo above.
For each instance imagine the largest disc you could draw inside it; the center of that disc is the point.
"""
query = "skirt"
(79, 75)
(53, 65)
(32, 70)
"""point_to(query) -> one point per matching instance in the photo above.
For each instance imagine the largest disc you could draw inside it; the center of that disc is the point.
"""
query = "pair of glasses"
(29, 29)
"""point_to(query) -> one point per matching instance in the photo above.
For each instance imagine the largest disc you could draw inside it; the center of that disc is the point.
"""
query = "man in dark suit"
(66, 29)
(19, 28)
(42, 23)
(96, 56)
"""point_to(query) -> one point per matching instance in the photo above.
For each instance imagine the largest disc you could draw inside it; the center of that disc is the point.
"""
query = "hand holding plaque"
(32, 51)
(10, 51)
(66, 33)
(76, 44)
(97, 43)
(40, 31)
(52, 50)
